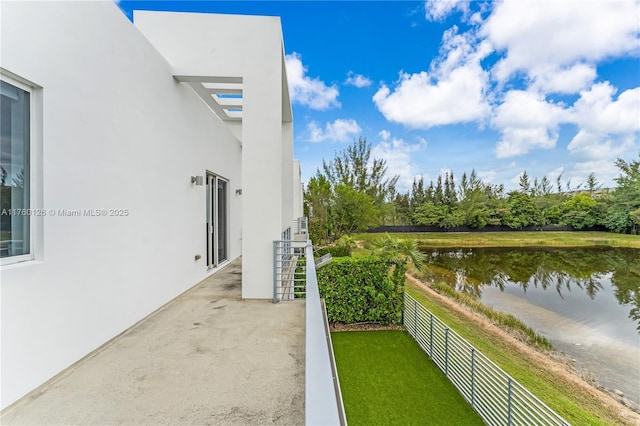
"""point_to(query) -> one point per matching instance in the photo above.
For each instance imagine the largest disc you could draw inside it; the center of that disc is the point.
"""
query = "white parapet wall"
(115, 130)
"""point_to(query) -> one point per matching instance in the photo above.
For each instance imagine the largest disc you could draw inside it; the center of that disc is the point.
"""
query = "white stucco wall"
(298, 195)
(287, 175)
(252, 49)
(117, 132)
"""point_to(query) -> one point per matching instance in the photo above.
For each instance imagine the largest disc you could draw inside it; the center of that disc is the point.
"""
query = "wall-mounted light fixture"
(198, 180)
(239, 191)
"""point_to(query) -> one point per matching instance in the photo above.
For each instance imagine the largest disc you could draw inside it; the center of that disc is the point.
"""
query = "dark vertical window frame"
(17, 122)
(217, 219)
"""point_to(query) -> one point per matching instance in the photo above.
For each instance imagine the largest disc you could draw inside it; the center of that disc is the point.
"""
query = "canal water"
(585, 301)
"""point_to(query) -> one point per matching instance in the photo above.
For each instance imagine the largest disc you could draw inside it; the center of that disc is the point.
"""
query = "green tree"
(545, 186)
(351, 194)
(525, 185)
(352, 211)
(430, 214)
(624, 212)
(348, 242)
(438, 196)
(580, 211)
(418, 193)
(354, 168)
(402, 209)
(474, 208)
(449, 194)
(522, 210)
(559, 183)
(592, 183)
(317, 206)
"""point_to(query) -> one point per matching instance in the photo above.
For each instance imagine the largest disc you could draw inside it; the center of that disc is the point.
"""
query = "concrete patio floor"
(206, 358)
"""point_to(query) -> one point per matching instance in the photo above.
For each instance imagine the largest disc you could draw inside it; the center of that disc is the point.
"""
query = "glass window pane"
(14, 170)
(222, 220)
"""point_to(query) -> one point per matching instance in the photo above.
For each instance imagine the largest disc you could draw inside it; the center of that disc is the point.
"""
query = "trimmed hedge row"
(335, 251)
(362, 289)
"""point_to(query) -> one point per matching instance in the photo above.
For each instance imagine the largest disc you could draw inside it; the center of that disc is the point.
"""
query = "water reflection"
(561, 270)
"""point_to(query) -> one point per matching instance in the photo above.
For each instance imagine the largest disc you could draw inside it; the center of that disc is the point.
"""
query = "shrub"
(336, 251)
(362, 289)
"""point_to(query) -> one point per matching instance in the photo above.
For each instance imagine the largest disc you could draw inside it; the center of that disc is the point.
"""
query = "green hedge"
(335, 251)
(362, 289)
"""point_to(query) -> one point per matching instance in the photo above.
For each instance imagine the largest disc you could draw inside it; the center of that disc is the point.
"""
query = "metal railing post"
(431, 335)
(275, 272)
(509, 403)
(415, 318)
(473, 365)
(446, 351)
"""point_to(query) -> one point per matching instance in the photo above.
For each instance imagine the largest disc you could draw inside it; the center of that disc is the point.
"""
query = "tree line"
(353, 193)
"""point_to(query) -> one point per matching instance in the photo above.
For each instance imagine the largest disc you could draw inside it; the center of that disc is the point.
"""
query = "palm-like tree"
(347, 241)
(400, 251)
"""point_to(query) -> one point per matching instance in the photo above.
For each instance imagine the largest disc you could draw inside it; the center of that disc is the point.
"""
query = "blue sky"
(549, 87)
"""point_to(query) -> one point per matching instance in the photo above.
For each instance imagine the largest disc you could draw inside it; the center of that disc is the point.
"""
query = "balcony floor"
(208, 357)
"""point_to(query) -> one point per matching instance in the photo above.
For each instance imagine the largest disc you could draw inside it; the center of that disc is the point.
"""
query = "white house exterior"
(152, 154)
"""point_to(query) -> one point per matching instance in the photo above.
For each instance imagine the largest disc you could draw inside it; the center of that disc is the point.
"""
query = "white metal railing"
(301, 226)
(323, 398)
(497, 397)
(289, 269)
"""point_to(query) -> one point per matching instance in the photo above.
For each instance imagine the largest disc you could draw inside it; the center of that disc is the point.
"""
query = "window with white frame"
(15, 184)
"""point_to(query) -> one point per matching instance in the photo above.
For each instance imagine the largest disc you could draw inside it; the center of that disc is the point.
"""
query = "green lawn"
(386, 379)
(514, 239)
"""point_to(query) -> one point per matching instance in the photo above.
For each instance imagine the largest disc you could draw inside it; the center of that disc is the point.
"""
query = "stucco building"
(138, 159)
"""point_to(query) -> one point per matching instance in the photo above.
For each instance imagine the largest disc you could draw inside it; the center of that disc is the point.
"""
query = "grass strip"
(572, 402)
(501, 318)
(513, 239)
(386, 379)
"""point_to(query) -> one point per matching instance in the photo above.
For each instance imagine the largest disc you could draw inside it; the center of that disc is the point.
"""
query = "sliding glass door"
(216, 226)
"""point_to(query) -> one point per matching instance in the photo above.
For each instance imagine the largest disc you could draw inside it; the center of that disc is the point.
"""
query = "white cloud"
(341, 130)
(398, 155)
(527, 121)
(419, 102)
(569, 80)
(357, 80)
(311, 92)
(437, 10)
(487, 176)
(515, 181)
(554, 174)
(542, 48)
(595, 146)
(384, 134)
(452, 92)
(562, 37)
(607, 127)
(423, 141)
(444, 171)
(604, 170)
(597, 112)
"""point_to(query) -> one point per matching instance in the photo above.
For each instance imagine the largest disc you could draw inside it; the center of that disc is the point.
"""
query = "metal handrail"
(289, 270)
